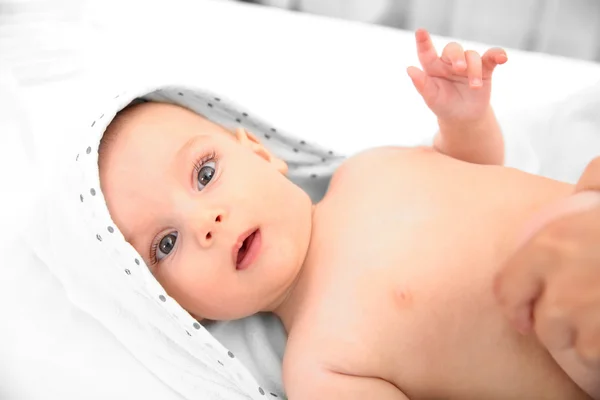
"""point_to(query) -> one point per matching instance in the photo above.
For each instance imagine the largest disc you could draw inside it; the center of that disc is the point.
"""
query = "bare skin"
(386, 286)
(396, 294)
(549, 286)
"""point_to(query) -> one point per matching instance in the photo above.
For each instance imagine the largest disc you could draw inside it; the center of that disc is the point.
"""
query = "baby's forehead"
(148, 137)
(148, 150)
(162, 119)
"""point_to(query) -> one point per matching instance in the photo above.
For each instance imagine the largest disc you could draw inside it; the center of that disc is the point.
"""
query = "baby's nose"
(208, 225)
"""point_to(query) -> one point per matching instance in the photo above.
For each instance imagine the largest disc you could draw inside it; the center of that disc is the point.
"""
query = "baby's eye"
(166, 244)
(205, 174)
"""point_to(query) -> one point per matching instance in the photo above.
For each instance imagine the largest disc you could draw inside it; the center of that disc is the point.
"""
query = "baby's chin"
(223, 315)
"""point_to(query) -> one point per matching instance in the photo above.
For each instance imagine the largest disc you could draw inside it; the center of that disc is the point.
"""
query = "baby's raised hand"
(457, 85)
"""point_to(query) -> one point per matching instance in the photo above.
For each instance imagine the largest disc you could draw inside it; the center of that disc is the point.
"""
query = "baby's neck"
(292, 302)
(297, 294)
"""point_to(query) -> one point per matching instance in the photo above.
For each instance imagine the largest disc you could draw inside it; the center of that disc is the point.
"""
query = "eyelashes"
(200, 162)
(204, 159)
(153, 248)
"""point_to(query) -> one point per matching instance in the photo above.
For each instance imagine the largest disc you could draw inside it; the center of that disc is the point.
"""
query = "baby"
(385, 287)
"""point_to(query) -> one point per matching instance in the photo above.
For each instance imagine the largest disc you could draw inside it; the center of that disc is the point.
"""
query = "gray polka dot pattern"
(201, 357)
(311, 160)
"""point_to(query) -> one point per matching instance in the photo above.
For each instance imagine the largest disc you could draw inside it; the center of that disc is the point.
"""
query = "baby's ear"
(250, 141)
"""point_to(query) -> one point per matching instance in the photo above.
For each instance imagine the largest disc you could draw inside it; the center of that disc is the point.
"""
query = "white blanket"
(281, 65)
(107, 278)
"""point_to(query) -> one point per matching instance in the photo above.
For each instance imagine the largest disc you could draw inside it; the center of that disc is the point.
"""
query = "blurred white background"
(569, 28)
(317, 76)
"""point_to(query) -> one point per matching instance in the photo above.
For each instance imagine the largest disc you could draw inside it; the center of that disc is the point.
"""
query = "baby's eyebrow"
(141, 243)
(187, 147)
(187, 150)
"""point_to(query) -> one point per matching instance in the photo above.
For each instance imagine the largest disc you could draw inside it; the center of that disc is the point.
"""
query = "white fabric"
(324, 79)
(569, 137)
(108, 279)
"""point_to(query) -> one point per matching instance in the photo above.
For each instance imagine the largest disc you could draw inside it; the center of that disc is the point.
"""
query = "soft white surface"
(49, 349)
(341, 84)
(330, 80)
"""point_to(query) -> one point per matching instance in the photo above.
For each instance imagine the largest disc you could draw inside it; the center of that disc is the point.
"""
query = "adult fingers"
(590, 179)
(521, 282)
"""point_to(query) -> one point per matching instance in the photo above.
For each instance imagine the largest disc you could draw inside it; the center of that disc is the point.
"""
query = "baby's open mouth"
(249, 249)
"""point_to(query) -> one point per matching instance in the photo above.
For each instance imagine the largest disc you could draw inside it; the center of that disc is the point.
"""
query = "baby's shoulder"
(316, 353)
(303, 356)
(320, 336)
(386, 154)
(308, 355)
(380, 159)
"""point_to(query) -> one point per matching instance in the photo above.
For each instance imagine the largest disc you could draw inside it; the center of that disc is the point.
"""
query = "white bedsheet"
(329, 80)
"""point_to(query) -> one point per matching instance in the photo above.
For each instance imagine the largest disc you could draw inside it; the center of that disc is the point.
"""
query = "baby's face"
(220, 226)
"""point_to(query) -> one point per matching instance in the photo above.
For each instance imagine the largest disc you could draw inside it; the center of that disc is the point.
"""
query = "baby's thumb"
(418, 78)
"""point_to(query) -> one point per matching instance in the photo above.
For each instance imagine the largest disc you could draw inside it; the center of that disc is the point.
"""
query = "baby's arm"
(457, 88)
(331, 385)
(478, 142)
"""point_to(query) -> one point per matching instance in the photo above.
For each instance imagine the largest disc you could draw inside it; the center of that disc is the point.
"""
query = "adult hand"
(552, 283)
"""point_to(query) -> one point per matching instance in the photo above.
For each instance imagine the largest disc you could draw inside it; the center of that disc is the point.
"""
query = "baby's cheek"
(218, 297)
(189, 285)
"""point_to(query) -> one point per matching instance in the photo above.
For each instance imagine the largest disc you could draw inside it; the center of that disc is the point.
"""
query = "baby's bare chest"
(403, 285)
(403, 265)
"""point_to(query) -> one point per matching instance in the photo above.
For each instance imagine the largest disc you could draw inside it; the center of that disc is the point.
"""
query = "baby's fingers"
(426, 88)
(474, 68)
(418, 78)
(454, 54)
(491, 59)
(425, 49)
